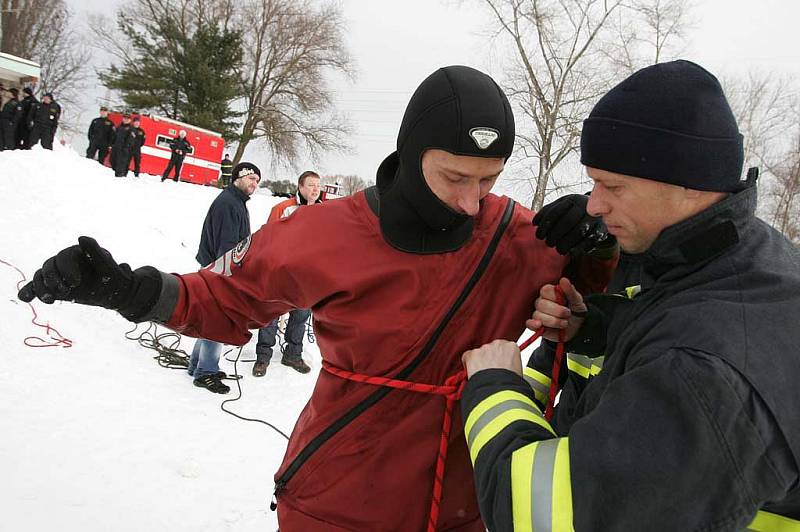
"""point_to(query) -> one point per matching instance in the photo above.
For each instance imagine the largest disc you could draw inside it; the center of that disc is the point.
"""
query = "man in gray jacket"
(680, 392)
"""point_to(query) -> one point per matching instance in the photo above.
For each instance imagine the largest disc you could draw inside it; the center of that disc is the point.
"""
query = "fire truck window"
(162, 141)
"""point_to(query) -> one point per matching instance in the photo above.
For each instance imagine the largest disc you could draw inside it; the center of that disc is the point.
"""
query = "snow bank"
(98, 436)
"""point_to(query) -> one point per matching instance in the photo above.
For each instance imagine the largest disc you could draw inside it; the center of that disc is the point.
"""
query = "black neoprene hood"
(457, 109)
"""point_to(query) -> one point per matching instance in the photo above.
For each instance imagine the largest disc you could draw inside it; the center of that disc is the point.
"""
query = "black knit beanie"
(668, 122)
(245, 169)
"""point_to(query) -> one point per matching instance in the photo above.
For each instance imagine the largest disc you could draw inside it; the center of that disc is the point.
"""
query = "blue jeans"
(205, 358)
(295, 331)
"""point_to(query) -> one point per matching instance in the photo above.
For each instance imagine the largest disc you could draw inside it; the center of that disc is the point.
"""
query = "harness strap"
(451, 390)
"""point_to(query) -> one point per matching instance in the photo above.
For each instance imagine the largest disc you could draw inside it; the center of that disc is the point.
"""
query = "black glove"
(565, 225)
(87, 274)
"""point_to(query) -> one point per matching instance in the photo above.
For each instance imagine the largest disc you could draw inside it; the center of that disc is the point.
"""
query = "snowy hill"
(97, 436)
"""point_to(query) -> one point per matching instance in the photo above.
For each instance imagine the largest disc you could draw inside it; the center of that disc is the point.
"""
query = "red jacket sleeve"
(250, 285)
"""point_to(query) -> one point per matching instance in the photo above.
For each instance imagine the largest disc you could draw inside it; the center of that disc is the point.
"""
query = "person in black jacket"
(23, 129)
(9, 117)
(227, 225)
(226, 170)
(136, 147)
(180, 147)
(123, 143)
(43, 121)
(680, 386)
(101, 136)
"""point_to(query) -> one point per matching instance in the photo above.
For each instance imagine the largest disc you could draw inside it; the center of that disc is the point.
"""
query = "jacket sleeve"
(275, 212)
(678, 442)
(265, 276)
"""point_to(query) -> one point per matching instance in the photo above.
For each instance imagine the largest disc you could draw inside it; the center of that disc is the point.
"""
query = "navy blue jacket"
(227, 223)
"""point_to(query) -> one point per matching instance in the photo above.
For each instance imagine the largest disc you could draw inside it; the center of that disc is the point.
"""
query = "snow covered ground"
(98, 437)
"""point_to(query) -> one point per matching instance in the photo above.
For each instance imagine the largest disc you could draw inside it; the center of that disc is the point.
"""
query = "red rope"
(451, 390)
(54, 341)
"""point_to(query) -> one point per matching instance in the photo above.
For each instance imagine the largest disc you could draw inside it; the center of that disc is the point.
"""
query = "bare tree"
(350, 184)
(556, 78)
(767, 109)
(290, 48)
(42, 31)
(648, 32)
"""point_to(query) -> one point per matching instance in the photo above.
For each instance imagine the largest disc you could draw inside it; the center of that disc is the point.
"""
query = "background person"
(227, 224)
(180, 146)
(9, 119)
(138, 141)
(123, 143)
(43, 121)
(226, 170)
(308, 193)
(23, 127)
(101, 136)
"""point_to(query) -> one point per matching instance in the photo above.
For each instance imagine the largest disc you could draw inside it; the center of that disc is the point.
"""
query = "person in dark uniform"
(123, 142)
(9, 117)
(43, 121)
(23, 133)
(180, 147)
(101, 136)
(136, 146)
(226, 170)
(678, 409)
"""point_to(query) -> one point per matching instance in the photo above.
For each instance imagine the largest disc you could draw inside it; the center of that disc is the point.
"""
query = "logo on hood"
(484, 136)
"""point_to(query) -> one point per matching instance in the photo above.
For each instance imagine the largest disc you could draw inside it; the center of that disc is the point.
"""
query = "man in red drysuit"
(412, 273)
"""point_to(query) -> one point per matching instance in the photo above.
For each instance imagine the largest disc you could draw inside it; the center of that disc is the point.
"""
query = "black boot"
(212, 383)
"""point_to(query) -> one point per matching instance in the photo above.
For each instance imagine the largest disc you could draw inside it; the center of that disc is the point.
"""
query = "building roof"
(18, 70)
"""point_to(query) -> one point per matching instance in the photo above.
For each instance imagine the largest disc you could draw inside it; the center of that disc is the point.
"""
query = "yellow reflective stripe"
(562, 488)
(521, 475)
(583, 365)
(523, 409)
(597, 365)
(541, 493)
(491, 401)
(633, 291)
(576, 367)
(769, 522)
(537, 376)
(539, 382)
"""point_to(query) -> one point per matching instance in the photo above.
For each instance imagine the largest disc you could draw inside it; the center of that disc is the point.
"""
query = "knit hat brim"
(694, 162)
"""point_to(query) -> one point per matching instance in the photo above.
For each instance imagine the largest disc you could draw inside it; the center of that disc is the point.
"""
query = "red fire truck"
(201, 165)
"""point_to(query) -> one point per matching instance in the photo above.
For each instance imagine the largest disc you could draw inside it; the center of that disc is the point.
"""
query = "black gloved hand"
(87, 274)
(565, 225)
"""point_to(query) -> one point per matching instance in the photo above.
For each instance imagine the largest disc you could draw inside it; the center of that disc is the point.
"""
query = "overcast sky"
(396, 44)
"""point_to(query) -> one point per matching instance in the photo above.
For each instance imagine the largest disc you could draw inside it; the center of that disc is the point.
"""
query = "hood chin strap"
(415, 222)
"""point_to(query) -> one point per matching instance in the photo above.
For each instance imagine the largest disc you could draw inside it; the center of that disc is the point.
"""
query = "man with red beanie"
(415, 271)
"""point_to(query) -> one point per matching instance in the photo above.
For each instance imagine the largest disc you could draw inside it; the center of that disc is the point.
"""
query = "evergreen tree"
(185, 73)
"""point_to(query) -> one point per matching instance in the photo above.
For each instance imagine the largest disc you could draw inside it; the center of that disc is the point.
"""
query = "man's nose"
(596, 205)
(469, 199)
